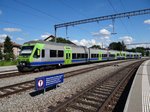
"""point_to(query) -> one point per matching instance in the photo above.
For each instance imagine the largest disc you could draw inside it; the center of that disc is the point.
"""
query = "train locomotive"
(37, 55)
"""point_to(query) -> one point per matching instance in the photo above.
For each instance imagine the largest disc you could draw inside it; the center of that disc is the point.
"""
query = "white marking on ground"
(145, 89)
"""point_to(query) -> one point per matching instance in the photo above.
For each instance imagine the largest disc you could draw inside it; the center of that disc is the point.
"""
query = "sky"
(26, 20)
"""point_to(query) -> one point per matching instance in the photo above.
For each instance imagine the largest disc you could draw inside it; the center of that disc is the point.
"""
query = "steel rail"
(19, 87)
(103, 90)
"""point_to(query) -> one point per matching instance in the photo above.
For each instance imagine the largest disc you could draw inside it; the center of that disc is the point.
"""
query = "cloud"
(2, 37)
(44, 36)
(102, 33)
(110, 26)
(19, 39)
(85, 42)
(147, 21)
(0, 12)
(12, 29)
(126, 39)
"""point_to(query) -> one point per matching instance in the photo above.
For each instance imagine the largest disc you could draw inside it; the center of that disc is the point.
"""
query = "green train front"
(29, 53)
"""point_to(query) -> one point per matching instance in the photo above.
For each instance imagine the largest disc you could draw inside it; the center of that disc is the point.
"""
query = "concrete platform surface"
(139, 96)
(5, 68)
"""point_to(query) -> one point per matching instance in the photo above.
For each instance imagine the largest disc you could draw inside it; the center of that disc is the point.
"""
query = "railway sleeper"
(87, 102)
(82, 108)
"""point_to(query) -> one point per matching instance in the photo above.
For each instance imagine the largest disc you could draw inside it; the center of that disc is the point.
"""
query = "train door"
(68, 55)
(100, 56)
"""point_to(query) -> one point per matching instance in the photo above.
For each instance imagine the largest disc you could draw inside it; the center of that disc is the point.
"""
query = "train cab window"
(60, 53)
(52, 53)
(43, 53)
(74, 56)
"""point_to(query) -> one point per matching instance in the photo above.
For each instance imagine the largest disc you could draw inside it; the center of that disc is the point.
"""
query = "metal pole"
(66, 32)
(55, 34)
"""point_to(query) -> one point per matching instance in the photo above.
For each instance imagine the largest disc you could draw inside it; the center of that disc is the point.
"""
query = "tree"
(8, 49)
(123, 46)
(113, 45)
(147, 53)
(96, 46)
(62, 40)
(120, 46)
(1, 55)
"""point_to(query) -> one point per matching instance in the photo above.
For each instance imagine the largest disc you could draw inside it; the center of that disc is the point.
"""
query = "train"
(38, 55)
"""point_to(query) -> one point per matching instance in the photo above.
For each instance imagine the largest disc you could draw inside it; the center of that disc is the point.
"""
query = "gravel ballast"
(23, 102)
(32, 76)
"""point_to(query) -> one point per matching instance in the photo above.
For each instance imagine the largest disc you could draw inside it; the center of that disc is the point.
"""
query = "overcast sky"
(25, 20)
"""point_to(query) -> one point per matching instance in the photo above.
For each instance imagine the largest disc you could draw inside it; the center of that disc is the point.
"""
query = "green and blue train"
(37, 55)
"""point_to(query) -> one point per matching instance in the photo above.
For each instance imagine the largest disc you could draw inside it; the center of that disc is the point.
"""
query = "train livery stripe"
(62, 61)
(47, 63)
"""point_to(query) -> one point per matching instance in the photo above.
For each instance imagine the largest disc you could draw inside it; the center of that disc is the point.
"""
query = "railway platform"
(139, 96)
(6, 68)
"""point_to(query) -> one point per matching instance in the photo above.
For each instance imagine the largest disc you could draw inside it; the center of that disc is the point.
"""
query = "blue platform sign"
(48, 81)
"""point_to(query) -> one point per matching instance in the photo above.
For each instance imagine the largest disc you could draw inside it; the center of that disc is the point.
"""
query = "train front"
(25, 57)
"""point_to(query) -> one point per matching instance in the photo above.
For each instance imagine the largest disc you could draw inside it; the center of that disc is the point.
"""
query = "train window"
(52, 53)
(128, 55)
(86, 55)
(82, 55)
(117, 54)
(112, 55)
(60, 53)
(104, 55)
(78, 56)
(67, 56)
(43, 53)
(97, 55)
(74, 56)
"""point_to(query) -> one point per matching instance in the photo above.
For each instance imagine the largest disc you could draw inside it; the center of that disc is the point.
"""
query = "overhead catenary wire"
(119, 19)
(45, 13)
(124, 8)
(72, 8)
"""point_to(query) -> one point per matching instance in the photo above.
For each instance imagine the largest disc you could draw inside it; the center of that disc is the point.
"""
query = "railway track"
(19, 87)
(14, 73)
(101, 96)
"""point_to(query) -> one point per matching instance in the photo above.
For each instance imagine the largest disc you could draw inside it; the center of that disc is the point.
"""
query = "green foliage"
(120, 46)
(96, 46)
(8, 63)
(147, 53)
(138, 49)
(61, 40)
(8, 49)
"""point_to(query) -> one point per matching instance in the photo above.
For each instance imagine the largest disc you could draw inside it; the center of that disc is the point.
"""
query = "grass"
(8, 63)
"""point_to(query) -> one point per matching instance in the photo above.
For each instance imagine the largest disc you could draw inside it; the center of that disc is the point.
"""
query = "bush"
(7, 63)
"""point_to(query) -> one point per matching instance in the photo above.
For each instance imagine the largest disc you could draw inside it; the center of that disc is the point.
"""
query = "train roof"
(53, 43)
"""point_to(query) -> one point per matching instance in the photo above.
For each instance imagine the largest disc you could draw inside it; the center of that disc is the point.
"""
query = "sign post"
(41, 83)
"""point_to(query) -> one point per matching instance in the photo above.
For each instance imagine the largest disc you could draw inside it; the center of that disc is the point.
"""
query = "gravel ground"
(23, 102)
(23, 78)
